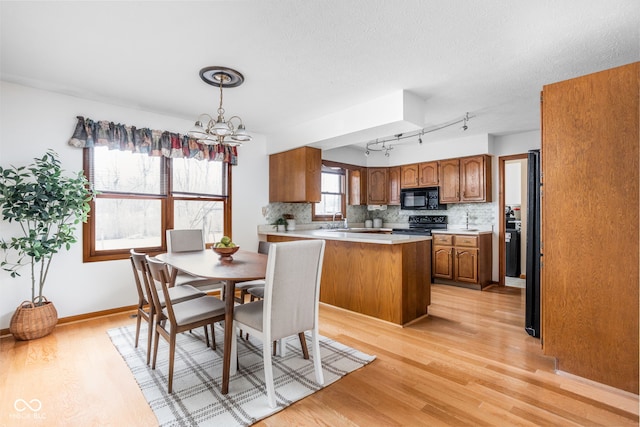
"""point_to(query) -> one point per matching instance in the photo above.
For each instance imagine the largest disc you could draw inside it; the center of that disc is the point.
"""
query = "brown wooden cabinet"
(462, 259)
(428, 174)
(394, 185)
(409, 176)
(419, 175)
(464, 180)
(377, 186)
(442, 258)
(357, 178)
(295, 175)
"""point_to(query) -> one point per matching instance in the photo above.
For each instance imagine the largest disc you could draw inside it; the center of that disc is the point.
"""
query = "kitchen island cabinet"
(384, 276)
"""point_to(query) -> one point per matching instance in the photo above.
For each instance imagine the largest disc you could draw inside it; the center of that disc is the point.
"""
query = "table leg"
(228, 333)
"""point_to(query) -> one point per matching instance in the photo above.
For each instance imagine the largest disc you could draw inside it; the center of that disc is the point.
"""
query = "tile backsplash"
(480, 214)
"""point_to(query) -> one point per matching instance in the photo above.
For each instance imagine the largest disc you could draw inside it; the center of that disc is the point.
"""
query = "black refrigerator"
(534, 254)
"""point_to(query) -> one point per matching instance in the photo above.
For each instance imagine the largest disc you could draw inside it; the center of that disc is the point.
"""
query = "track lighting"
(381, 145)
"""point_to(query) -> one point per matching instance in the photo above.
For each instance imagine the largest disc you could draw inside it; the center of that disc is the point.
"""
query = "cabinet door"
(472, 179)
(377, 186)
(466, 265)
(409, 176)
(357, 186)
(394, 185)
(294, 175)
(442, 262)
(449, 181)
(428, 174)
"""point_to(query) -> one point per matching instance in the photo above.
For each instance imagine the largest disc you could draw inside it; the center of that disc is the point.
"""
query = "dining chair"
(182, 316)
(289, 307)
(189, 240)
(263, 248)
(146, 309)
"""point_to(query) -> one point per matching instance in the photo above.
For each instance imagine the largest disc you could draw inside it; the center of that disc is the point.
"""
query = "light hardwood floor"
(469, 363)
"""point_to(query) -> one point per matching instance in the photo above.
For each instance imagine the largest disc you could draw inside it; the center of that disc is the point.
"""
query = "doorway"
(512, 220)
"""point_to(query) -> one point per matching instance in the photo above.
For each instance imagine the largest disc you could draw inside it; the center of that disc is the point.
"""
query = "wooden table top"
(245, 265)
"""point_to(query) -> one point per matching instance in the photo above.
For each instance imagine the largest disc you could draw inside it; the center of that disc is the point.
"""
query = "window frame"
(89, 252)
(343, 193)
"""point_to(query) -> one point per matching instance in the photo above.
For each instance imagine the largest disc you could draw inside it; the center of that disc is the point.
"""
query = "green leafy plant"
(279, 221)
(48, 206)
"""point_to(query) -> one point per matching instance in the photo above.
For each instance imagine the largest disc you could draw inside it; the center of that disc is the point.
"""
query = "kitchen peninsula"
(385, 276)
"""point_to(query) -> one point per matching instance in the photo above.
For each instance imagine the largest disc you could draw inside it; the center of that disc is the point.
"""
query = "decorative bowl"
(225, 253)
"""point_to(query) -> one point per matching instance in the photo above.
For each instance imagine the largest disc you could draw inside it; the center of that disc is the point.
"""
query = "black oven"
(416, 199)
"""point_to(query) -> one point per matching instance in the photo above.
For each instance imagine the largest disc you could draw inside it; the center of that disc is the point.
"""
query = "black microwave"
(415, 199)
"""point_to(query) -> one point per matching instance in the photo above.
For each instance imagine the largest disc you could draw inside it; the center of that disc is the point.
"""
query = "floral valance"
(90, 133)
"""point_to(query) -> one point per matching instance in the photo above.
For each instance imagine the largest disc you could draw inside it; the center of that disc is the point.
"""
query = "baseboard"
(81, 317)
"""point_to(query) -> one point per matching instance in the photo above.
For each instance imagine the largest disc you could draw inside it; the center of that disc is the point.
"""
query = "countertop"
(471, 231)
(368, 237)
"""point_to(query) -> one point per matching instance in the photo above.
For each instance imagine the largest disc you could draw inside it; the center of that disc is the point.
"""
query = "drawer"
(466, 241)
(442, 239)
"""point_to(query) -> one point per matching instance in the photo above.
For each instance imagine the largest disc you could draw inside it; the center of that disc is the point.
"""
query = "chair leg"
(213, 337)
(138, 320)
(206, 335)
(150, 335)
(234, 353)
(317, 362)
(303, 345)
(155, 349)
(172, 353)
(268, 376)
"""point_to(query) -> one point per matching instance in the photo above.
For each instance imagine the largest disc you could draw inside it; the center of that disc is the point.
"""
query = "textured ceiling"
(303, 60)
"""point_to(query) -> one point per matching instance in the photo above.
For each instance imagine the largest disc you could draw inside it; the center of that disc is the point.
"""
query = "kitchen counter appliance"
(421, 225)
(427, 198)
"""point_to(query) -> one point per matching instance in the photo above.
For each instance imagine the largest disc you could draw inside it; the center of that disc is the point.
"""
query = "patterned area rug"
(196, 399)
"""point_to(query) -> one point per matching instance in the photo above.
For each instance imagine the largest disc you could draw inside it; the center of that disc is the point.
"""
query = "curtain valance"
(90, 133)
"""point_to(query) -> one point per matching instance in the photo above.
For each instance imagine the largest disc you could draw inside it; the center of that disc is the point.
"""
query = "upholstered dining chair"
(243, 287)
(146, 309)
(181, 317)
(189, 240)
(289, 307)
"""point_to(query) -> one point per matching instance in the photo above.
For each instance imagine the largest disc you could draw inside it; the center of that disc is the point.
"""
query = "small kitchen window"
(333, 193)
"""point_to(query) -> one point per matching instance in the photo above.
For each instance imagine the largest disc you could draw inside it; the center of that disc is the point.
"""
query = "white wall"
(34, 120)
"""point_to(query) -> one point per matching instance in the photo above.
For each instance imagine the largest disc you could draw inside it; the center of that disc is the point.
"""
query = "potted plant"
(47, 205)
(280, 224)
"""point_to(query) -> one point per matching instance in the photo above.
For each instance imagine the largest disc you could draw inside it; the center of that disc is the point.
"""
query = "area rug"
(196, 399)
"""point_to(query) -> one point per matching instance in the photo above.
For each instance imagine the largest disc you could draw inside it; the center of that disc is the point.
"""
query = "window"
(140, 197)
(333, 195)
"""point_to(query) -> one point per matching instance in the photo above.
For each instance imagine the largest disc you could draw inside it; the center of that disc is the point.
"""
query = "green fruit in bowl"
(225, 240)
(231, 245)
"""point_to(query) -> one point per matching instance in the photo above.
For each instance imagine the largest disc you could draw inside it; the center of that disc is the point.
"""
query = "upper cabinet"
(357, 179)
(464, 180)
(394, 186)
(377, 186)
(294, 175)
(419, 175)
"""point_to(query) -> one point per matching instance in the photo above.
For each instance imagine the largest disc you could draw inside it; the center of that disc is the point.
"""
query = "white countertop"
(471, 231)
(377, 238)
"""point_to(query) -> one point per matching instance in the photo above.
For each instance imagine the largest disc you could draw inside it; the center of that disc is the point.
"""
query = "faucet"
(333, 219)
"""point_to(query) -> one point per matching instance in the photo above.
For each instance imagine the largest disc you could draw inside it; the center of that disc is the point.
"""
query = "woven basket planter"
(30, 322)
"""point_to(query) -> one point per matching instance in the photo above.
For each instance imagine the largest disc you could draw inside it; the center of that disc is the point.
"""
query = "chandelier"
(220, 130)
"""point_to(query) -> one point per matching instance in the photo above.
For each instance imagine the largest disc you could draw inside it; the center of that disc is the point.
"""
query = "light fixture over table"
(220, 130)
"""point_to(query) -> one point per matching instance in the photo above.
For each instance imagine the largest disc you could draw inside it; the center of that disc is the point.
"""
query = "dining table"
(244, 266)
